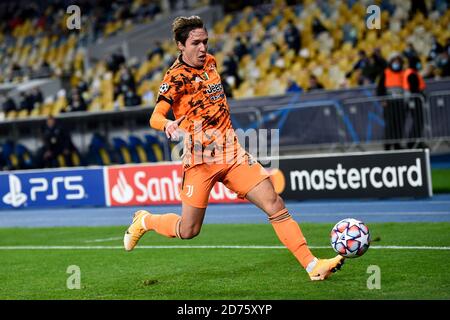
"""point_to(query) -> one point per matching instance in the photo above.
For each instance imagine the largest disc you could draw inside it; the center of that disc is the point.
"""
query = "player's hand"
(172, 130)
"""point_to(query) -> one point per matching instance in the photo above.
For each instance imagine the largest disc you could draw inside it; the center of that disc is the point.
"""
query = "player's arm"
(159, 120)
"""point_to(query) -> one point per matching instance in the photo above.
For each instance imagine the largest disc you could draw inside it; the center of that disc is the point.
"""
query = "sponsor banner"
(356, 175)
(52, 188)
(154, 184)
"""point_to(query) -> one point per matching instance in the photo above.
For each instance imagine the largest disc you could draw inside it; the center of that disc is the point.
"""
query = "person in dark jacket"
(390, 84)
(413, 84)
(57, 143)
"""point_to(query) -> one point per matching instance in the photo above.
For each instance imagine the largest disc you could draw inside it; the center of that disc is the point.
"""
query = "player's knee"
(189, 233)
(274, 204)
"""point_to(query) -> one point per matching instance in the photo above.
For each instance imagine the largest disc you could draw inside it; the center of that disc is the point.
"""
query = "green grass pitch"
(109, 272)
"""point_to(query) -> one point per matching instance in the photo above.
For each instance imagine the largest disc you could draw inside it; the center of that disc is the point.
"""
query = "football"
(350, 238)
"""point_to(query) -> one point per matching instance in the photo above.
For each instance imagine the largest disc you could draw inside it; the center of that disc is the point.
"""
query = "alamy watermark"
(74, 280)
(374, 280)
(74, 20)
(214, 146)
(373, 21)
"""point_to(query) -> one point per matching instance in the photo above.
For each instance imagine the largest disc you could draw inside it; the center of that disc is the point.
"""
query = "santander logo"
(154, 185)
(122, 192)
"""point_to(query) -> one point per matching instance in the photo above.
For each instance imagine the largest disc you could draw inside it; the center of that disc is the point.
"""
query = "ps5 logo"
(69, 183)
(50, 187)
(14, 197)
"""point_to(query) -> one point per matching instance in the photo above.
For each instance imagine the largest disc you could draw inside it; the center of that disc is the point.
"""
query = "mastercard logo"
(278, 180)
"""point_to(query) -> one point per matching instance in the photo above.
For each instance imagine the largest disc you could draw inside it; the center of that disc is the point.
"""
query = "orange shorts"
(199, 180)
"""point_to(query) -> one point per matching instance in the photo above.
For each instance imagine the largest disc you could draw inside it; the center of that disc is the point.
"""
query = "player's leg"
(195, 189)
(251, 181)
(171, 225)
(191, 221)
(287, 229)
(289, 232)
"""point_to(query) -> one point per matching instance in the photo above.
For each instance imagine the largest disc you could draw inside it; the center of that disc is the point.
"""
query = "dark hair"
(181, 27)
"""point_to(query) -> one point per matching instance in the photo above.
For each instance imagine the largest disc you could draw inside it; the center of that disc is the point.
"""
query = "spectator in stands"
(391, 84)
(443, 63)
(350, 34)
(126, 80)
(131, 98)
(26, 102)
(76, 102)
(45, 70)
(227, 89)
(9, 104)
(293, 87)
(410, 52)
(240, 49)
(37, 96)
(418, 6)
(57, 142)
(17, 71)
(82, 87)
(230, 68)
(379, 63)
(363, 67)
(430, 70)
(314, 83)
(413, 83)
(436, 49)
(292, 37)
(157, 50)
(317, 27)
(276, 58)
(115, 61)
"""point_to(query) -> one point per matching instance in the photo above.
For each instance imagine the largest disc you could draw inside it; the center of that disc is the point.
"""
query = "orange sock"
(290, 234)
(166, 224)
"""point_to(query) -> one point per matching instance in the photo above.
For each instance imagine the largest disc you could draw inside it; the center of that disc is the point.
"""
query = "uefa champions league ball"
(350, 238)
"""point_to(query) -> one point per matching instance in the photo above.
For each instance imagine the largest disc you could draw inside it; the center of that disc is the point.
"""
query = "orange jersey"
(197, 93)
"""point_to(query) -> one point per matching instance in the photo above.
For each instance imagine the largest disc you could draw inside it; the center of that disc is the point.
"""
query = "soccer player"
(192, 88)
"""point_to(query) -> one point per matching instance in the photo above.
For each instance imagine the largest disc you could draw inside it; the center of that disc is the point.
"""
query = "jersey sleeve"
(171, 88)
(158, 119)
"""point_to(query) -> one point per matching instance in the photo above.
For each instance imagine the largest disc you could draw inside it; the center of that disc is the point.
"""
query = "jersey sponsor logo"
(214, 88)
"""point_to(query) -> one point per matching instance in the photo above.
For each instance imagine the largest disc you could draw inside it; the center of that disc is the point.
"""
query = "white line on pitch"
(204, 247)
(104, 240)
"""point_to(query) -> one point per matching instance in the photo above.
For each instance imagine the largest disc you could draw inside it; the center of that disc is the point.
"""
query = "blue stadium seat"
(137, 150)
(99, 151)
(154, 148)
(24, 156)
(122, 150)
(10, 159)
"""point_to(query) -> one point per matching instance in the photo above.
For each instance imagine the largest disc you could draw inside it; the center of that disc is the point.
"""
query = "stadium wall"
(352, 175)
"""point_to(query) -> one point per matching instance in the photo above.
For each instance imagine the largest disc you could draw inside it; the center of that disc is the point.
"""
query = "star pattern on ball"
(364, 238)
